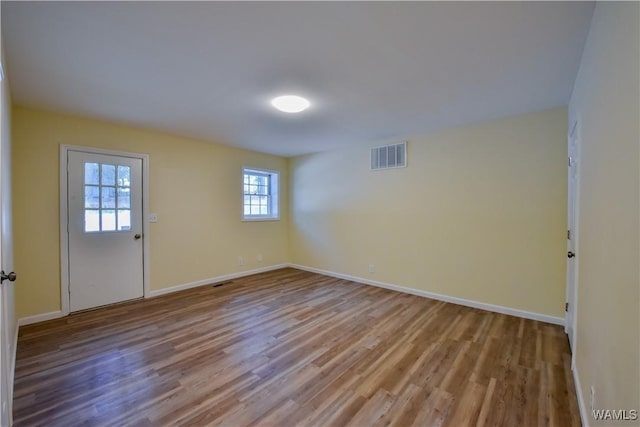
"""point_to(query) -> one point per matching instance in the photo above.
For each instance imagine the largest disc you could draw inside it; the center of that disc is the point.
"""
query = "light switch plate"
(153, 217)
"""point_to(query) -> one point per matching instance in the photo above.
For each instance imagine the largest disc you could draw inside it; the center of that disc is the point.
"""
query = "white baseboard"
(39, 318)
(176, 288)
(154, 293)
(460, 301)
(581, 405)
(455, 300)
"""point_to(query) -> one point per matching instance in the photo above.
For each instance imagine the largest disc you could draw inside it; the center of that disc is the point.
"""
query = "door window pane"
(91, 220)
(91, 173)
(124, 176)
(124, 198)
(108, 175)
(108, 198)
(108, 220)
(91, 196)
(124, 219)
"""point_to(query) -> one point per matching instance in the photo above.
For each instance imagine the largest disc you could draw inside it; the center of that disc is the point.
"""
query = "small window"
(259, 195)
(107, 197)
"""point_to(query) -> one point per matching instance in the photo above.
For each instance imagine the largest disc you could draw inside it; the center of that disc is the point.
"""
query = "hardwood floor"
(291, 348)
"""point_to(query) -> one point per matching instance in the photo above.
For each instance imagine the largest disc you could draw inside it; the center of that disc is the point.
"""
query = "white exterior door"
(572, 233)
(104, 205)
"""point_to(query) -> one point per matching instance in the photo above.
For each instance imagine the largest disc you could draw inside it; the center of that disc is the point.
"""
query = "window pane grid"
(107, 201)
(257, 197)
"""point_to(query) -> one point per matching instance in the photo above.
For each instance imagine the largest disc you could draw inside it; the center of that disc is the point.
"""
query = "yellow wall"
(195, 188)
(605, 102)
(479, 213)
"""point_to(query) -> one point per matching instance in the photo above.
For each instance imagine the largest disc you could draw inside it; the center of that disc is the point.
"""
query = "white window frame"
(274, 190)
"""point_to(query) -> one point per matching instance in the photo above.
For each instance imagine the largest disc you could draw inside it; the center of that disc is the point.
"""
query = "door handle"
(137, 236)
(570, 254)
(10, 277)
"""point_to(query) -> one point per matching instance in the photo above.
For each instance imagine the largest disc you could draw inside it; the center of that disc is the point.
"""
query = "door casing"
(573, 142)
(64, 215)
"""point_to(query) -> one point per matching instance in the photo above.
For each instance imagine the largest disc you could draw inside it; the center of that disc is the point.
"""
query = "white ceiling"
(372, 71)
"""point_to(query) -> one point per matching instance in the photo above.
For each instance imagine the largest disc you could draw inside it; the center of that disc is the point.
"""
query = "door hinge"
(566, 306)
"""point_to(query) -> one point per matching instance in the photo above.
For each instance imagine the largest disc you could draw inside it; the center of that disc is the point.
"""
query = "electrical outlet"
(259, 257)
(592, 398)
(240, 260)
(372, 268)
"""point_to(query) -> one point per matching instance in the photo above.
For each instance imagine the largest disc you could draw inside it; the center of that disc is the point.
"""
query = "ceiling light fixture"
(290, 103)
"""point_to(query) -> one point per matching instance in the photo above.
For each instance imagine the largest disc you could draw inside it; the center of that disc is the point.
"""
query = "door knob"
(10, 277)
(137, 236)
(570, 254)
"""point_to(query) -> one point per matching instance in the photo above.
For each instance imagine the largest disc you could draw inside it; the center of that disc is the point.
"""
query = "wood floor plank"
(290, 347)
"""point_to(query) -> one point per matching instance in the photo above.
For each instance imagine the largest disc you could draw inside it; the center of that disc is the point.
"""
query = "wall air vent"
(389, 156)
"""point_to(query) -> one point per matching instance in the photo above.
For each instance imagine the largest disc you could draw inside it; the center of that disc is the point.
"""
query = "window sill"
(258, 219)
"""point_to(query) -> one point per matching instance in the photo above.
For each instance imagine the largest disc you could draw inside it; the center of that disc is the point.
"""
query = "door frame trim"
(64, 218)
(572, 297)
